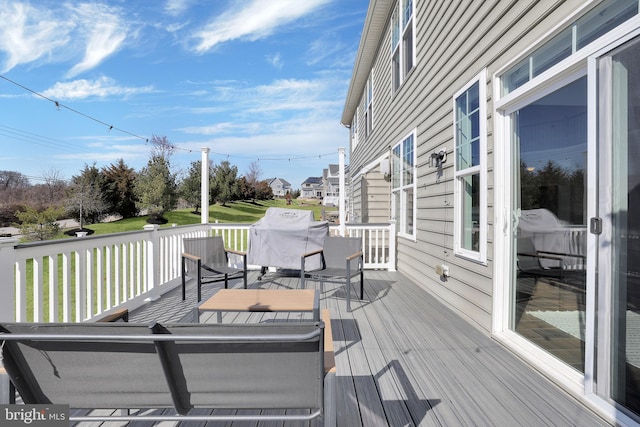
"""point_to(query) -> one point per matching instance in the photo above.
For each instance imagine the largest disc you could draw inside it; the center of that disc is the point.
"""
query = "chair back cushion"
(210, 249)
(337, 249)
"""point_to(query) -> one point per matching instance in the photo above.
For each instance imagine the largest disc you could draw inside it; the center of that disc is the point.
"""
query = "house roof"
(282, 181)
(375, 23)
(313, 180)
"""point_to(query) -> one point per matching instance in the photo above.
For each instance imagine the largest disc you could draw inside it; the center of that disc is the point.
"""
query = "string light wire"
(48, 141)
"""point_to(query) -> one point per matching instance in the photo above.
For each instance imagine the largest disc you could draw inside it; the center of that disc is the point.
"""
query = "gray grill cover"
(282, 236)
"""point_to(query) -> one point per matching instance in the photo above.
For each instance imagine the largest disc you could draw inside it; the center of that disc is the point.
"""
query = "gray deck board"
(403, 358)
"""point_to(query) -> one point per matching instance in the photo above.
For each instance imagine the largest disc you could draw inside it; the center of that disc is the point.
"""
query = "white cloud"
(105, 34)
(102, 88)
(275, 60)
(322, 49)
(28, 34)
(176, 7)
(90, 31)
(252, 21)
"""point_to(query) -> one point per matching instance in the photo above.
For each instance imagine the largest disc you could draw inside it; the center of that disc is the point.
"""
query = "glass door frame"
(585, 386)
(600, 142)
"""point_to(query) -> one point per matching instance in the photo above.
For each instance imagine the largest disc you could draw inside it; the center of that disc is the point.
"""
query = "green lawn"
(234, 212)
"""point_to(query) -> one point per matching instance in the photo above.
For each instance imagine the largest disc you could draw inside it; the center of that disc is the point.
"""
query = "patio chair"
(341, 259)
(211, 260)
(556, 263)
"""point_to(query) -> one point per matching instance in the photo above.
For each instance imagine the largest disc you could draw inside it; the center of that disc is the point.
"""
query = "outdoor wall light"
(438, 158)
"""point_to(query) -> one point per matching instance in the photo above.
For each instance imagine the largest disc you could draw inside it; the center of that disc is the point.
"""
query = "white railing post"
(392, 245)
(343, 193)
(152, 254)
(204, 186)
(7, 287)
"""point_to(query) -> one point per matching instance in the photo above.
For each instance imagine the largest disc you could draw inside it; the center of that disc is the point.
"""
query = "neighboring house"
(312, 188)
(484, 128)
(331, 184)
(279, 186)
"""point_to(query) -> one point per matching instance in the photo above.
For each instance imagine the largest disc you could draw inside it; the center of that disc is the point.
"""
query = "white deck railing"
(42, 280)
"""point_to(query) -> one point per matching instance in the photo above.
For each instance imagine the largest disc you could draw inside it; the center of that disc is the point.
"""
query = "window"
(402, 41)
(470, 170)
(604, 17)
(403, 185)
(354, 131)
(368, 106)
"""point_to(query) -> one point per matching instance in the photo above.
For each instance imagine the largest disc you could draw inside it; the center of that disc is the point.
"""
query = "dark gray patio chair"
(210, 262)
(341, 259)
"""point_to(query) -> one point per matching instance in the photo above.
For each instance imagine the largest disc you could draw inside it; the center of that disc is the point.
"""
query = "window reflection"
(550, 245)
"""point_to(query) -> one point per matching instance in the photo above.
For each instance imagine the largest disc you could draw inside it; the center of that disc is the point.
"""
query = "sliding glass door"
(617, 225)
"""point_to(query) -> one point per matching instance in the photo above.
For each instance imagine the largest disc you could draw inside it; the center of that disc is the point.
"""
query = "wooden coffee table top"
(262, 300)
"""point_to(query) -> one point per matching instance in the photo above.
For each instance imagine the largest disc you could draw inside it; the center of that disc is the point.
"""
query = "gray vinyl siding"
(375, 198)
(455, 41)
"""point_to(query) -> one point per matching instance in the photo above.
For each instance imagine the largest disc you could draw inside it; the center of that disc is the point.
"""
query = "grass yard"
(234, 212)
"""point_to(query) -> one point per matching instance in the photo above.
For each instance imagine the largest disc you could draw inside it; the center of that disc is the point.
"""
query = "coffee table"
(262, 300)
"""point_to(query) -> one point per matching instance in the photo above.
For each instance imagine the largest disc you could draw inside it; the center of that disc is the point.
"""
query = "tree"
(55, 186)
(162, 147)
(86, 202)
(191, 185)
(39, 225)
(155, 188)
(246, 191)
(225, 182)
(264, 190)
(118, 189)
(12, 186)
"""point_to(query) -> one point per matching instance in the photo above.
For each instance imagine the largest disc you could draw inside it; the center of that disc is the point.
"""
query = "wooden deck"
(404, 359)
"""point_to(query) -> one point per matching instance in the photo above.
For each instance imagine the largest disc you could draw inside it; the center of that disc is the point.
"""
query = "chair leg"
(348, 294)
(361, 285)
(199, 288)
(226, 281)
(199, 270)
(184, 295)
(244, 278)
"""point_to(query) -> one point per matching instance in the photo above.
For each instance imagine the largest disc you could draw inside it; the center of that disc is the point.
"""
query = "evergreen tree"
(225, 183)
(39, 225)
(155, 188)
(191, 185)
(118, 189)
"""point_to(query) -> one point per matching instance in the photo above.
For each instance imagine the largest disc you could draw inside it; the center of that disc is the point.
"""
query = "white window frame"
(481, 169)
(354, 131)
(400, 33)
(400, 191)
(368, 106)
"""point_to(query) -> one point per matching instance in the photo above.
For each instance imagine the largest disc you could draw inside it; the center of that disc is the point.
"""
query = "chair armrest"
(191, 257)
(317, 251)
(539, 254)
(354, 256)
(231, 251)
(562, 254)
(329, 354)
(121, 314)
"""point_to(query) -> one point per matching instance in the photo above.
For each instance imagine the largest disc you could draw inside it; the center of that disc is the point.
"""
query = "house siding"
(454, 42)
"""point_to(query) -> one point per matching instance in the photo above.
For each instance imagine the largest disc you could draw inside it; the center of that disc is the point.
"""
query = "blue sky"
(255, 81)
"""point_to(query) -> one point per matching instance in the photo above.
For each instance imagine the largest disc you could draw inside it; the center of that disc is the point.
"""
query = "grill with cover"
(282, 236)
